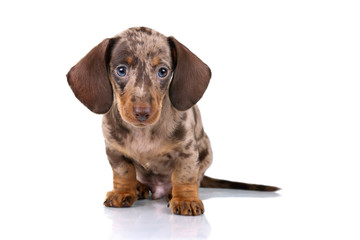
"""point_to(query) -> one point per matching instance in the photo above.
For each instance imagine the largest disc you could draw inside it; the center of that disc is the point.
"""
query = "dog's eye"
(121, 71)
(162, 72)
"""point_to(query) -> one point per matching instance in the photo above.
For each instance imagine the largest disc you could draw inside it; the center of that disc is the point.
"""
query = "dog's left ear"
(191, 76)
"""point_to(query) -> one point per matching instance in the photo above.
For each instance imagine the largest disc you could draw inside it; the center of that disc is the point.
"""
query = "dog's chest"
(148, 149)
(151, 151)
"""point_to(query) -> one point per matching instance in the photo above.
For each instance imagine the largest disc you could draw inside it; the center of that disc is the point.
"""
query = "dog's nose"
(142, 113)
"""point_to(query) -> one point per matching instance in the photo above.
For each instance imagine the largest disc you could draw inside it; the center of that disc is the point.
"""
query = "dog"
(147, 86)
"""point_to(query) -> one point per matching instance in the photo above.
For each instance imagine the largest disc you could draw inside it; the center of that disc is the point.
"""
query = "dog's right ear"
(89, 78)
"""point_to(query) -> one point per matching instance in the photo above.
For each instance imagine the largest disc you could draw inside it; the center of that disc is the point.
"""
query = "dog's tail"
(208, 182)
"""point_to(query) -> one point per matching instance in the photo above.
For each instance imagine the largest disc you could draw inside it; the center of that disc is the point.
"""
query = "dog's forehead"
(143, 42)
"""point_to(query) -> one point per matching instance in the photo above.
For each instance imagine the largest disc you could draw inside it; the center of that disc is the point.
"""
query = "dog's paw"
(120, 199)
(186, 207)
(169, 196)
(142, 191)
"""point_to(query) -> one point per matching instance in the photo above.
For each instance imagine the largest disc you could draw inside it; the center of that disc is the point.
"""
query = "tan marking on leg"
(185, 199)
(124, 192)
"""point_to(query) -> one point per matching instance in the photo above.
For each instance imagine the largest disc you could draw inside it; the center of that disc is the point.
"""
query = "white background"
(282, 108)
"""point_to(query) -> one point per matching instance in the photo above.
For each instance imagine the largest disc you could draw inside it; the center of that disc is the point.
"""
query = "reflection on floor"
(151, 219)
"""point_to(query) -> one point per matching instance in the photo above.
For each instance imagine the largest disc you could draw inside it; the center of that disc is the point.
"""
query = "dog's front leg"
(124, 180)
(185, 199)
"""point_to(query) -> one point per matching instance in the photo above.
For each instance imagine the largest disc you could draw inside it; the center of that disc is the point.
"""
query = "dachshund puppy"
(147, 86)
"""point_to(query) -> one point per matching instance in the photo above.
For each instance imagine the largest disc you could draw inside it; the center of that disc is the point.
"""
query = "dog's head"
(136, 70)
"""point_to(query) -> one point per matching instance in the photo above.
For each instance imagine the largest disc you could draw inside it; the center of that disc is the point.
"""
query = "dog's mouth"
(140, 125)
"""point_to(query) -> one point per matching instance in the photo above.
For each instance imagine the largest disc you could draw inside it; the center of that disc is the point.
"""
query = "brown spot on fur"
(153, 134)
(188, 145)
(184, 116)
(116, 158)
(122, 85)
(116, 135)
(120, 130)
(184, 155)
(145, 30)
(119, 83)
(179, 133)
(117, 131)
(203, 154)
(164, 83)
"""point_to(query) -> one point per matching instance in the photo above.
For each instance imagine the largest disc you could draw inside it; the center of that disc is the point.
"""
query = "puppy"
(147, 86)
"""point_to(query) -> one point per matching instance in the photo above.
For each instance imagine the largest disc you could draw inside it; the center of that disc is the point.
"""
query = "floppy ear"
(191, 76)
(89, 78)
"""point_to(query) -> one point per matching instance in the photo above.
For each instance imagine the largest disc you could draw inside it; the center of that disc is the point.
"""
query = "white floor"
(230, 214)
